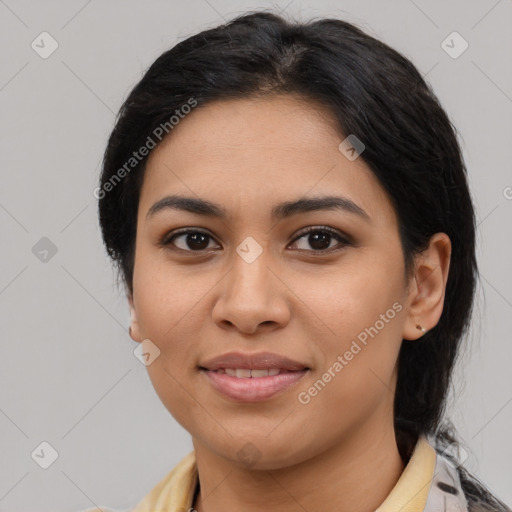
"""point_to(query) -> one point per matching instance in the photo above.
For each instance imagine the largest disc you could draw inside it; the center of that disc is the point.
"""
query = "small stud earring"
(420, 328)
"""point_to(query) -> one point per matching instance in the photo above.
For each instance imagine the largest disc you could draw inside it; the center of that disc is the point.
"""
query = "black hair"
(374, 93)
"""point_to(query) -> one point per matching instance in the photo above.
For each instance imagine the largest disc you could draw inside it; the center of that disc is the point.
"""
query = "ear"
(427, 287)
(134, 324)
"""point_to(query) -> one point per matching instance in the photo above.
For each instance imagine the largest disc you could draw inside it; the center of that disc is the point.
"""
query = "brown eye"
(191, 241)
(320, 239)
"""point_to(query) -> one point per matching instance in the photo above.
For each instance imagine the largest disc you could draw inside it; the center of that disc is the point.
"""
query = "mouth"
(252, 385)
(253, 377)
(252, 361)
(247, 373)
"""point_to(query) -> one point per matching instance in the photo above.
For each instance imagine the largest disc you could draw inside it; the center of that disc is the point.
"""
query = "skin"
(339, 451)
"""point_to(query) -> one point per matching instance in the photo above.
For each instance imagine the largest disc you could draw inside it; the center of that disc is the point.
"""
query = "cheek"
(167, 296)
(168, 308)
(176, 394)
(357, 297)
(362, 319)
(356, 380)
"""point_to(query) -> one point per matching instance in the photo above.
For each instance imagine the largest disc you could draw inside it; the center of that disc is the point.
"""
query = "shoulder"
(479, 497)
(474, 495)
(176, 488)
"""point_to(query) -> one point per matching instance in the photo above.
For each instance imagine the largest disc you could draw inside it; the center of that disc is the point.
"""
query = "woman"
(288, 208)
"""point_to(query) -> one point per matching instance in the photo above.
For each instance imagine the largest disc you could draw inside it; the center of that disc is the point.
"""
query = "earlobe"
(426, 299)
(134, 324)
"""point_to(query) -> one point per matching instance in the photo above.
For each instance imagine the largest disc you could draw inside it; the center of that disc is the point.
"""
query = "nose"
(252, 297)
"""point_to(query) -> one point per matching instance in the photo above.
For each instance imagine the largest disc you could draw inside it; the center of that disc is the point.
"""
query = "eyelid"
(343, 240)
(165, 240)
(334, 232)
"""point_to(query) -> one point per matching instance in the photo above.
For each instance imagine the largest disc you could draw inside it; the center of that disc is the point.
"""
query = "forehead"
(248, 153)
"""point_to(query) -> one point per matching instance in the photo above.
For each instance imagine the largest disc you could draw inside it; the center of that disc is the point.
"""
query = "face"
(320, 285)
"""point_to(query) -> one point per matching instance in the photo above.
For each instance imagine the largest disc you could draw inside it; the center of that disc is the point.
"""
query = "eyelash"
(167, 239)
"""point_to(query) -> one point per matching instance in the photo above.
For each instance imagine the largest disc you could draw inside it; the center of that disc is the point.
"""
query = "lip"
(253, 389)
(256, 361)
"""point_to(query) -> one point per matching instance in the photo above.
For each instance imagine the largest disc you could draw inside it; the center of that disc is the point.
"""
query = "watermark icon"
(351, 147)
(304, 397)
(44, 455)
(44, 45)
(249, 250)
(507, 193)
(249, 454)
(137, 156)
(455, 454)
(44, 249)
(454, 45)
(146, 352)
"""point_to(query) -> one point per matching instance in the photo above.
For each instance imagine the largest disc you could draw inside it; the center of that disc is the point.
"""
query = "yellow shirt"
(175, 492)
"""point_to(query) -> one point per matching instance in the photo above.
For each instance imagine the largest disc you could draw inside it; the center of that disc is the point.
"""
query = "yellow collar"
(411, 491)
(175, 492)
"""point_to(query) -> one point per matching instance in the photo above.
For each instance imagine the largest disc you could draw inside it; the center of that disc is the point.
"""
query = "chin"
(260, 452)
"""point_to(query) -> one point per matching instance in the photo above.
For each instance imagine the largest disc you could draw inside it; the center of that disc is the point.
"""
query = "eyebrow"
(279, 212)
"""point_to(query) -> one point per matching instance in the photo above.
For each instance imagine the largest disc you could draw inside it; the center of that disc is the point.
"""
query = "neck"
(356, 474)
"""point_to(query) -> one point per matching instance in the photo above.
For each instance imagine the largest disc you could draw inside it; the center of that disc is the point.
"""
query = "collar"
(429, 483)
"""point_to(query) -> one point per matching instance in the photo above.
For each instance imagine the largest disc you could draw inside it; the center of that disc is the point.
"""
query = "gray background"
(68, 373)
